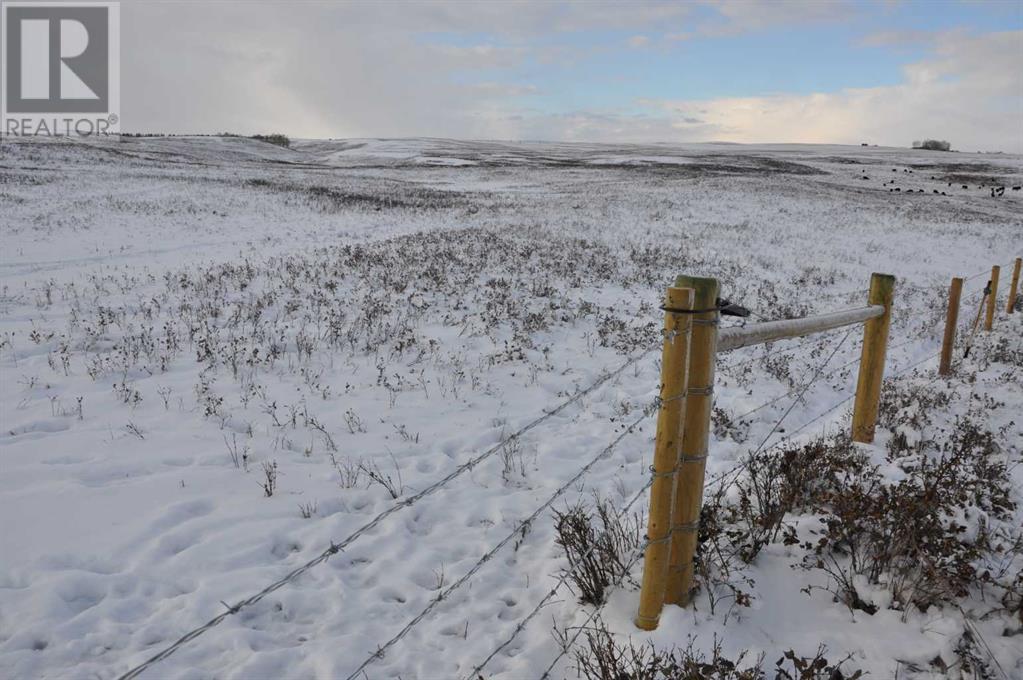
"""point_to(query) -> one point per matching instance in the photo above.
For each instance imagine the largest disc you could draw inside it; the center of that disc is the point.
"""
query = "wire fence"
(519, 530)
(734, 472)
(634, 557)
(720, 479)
(334, 548)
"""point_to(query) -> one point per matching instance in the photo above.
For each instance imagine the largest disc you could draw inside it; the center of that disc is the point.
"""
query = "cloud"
(463, 70)
(904, 38)
(968, 92)
(734, 17)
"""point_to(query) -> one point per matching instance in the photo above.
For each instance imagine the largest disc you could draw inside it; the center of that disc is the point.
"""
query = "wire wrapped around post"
(678, 308)
(695, 439)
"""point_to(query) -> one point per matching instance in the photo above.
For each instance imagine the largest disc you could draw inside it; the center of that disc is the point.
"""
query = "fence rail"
(737, 337)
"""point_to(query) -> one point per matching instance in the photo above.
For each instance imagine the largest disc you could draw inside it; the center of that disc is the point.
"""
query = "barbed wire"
(816, 338)
(557, 586)
(553, 591)
(849, 397)
(802, 390)
(616, 582)
(905, 285)
(635, 557)
(334, 548)
(518, 530)
(561, 582)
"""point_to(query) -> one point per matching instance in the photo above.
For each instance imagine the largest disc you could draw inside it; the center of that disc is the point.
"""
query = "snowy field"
(221, 357)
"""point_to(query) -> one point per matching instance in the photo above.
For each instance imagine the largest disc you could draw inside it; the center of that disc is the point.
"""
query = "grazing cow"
(965, 187)
(935, 191)
(943, 193)
(1017, 188)
(898, 188)
(1000, 191)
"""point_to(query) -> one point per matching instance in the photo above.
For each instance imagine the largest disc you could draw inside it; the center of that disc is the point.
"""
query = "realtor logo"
(61, 68)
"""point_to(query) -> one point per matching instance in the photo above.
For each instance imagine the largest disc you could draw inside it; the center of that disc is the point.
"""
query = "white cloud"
(969, 92)
(743, 16)
(384, 69)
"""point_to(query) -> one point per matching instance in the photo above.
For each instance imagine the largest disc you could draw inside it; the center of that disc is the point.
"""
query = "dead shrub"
(598, 543)
(927, 537)
(601, 658)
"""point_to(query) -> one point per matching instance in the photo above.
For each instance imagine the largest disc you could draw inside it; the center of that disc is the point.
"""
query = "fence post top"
(700, 284)
(679, 295)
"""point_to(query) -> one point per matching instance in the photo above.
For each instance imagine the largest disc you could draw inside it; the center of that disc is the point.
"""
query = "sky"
(883, 72)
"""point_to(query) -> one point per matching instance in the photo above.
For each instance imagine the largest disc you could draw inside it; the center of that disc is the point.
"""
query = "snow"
(127, 523)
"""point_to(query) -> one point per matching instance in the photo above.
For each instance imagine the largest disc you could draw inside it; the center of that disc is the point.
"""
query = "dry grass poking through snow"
(219, 356)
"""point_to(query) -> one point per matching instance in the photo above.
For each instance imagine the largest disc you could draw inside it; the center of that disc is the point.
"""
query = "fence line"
(334, 548)
(557, 586)
(519, 529)
(634, 558)
(638, 551)
(733, 341)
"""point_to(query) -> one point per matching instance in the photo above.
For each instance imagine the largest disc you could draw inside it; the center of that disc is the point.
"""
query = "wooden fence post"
(875, 346)
(951, 321)
(989, 319)
(695, 435)
(674, 364)
(1013, 287)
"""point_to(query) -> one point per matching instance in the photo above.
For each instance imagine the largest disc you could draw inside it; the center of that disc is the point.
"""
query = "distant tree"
(933, 145)
(276, 138)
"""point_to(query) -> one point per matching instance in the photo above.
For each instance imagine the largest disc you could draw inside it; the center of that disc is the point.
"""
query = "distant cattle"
(1017, 188)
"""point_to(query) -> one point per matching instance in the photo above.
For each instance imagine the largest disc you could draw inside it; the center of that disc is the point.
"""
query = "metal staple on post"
(695, 435)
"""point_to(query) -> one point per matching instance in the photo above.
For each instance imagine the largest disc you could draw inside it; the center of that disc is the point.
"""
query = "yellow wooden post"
(1010, 307)
(695, 436)
(674, 364)
(875, 346)
(989, 319)
(951, 321)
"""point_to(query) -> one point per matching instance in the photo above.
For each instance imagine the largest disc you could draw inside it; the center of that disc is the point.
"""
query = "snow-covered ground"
(182, 318)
